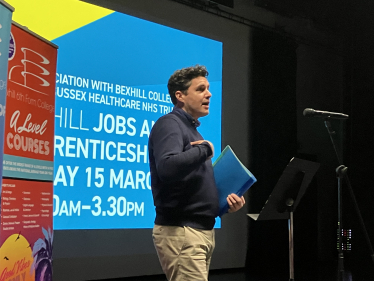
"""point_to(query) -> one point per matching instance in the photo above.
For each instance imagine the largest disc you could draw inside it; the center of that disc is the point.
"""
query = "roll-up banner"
(29, 122)
(5, 21)
(26, 232)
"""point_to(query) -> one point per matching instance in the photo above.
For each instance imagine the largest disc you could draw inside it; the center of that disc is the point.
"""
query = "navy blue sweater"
(183, 186)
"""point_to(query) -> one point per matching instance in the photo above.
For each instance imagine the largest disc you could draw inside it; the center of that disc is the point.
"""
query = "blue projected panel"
(111, 88)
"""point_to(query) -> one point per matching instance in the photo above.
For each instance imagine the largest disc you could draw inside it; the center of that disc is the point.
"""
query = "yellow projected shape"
(53, 18)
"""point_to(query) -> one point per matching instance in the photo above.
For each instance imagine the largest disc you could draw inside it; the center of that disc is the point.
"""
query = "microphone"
(309, 112)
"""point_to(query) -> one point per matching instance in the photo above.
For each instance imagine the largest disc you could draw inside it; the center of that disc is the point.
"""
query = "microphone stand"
(341, 172)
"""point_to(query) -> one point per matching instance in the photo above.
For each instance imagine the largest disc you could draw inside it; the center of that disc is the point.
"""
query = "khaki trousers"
(184, 252)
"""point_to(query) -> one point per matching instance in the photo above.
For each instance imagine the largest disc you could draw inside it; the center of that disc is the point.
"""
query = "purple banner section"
(5, 24)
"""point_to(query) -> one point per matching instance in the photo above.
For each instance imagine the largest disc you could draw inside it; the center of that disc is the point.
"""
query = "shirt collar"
(181, 112)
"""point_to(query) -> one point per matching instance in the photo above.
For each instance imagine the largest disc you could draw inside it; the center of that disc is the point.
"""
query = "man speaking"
(183, 186)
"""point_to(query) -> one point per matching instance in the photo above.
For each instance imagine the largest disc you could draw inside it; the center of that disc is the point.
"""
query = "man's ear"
(180, 96)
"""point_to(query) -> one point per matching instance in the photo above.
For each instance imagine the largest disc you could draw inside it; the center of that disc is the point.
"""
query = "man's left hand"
(235, 202)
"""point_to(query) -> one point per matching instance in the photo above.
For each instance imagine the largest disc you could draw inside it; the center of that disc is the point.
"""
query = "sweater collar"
(191, 120)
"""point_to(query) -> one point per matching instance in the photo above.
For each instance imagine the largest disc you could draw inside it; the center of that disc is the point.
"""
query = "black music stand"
(285, 197)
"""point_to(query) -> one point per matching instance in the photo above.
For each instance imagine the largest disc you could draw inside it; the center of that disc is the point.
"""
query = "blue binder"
(231, 177)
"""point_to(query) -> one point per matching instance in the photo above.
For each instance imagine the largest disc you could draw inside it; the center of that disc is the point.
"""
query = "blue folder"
(231, 177)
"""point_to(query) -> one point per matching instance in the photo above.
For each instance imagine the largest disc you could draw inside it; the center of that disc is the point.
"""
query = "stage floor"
(323, 273)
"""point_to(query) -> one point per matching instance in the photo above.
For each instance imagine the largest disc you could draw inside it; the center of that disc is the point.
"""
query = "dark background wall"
(361, 129)
(332, 75)
(274, 141)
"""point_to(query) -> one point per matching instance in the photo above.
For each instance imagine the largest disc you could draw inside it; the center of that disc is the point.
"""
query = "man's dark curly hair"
(180, 80)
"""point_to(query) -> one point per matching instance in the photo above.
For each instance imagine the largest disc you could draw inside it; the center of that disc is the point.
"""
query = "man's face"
(196, 101)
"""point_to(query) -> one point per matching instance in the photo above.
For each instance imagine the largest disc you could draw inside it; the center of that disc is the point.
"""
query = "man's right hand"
(201, 141)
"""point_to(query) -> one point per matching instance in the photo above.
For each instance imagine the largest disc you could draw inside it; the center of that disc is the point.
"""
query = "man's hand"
(201, 141)
(235, 202)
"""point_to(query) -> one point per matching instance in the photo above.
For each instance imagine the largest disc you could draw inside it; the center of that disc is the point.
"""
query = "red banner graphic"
(26, 221)
(29, 120)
